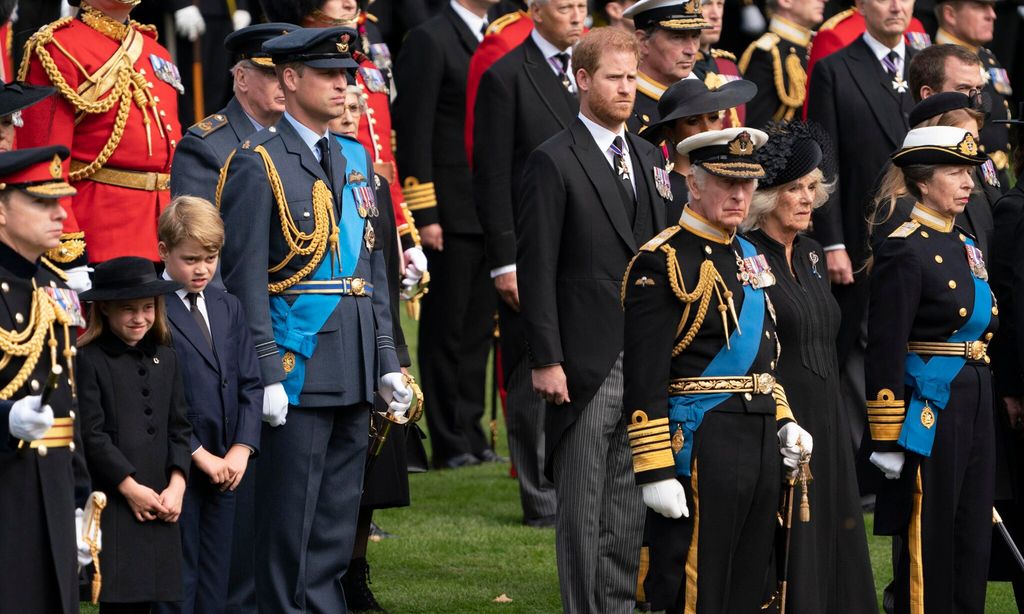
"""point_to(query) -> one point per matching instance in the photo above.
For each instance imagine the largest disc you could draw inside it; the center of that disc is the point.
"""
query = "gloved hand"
(275, 404)
(241, 19)
(78, 278)
(189, 23)
(396, 393)
(751, 20)
(415, 266)
(666, 497)
(794, 442)
(84, 554)
(891, 463)
(27, 420)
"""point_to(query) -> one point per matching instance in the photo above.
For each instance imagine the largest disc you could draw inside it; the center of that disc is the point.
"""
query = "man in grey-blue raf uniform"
(300, 254)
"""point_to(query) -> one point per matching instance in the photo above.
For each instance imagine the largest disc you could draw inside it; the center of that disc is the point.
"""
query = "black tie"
(325, 159)
(563, 61)
(483, 28)
(193, 306)
(890, 65)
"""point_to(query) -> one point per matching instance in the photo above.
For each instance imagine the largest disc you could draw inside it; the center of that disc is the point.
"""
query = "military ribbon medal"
(662, 183)
(977, 262)
(757, 272)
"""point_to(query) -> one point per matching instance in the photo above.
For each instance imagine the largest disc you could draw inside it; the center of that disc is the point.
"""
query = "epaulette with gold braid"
(723, 54)
(502, 22)
(208, 125)
(834, 20)
(655, 242)
(905, 230)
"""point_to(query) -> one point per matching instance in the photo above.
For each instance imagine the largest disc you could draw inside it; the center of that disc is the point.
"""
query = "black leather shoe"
(356, 583)
(490, 456)
(462, 460)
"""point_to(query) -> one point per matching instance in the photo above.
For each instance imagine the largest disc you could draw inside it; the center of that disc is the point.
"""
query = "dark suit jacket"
(222, 384)
(1006, 270)
(204, 148)
(354, 345)
(852, 99)
(430, 116)
(574, 242)
(520, 104)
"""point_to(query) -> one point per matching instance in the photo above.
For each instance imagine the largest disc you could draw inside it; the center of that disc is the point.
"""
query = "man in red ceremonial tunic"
(116, 109)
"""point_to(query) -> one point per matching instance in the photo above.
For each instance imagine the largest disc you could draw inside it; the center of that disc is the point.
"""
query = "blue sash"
(929, 381)
(688, 410)
(296, 325)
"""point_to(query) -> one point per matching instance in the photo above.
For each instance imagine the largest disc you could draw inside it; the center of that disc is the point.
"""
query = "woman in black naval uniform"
(829, 567)
(42, 474)
(929, 388)
(687, 108)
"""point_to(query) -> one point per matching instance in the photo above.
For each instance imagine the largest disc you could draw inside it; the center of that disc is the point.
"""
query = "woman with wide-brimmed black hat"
(928, 383)
(135, 431)
(829, 567)
(14, 97)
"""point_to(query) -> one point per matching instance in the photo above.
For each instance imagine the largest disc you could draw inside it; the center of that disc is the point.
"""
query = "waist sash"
(297, 324)
(929, 382)
(687, 410)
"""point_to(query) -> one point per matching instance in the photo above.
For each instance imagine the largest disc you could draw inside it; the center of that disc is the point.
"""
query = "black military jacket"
(777, 64)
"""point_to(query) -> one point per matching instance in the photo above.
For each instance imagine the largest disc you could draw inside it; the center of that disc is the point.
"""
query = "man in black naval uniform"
(42, 472)
(668, 32)
(777, 62)
(257, 104)
(971, 24)
(707, 421)
(302, 257)
(457, 320)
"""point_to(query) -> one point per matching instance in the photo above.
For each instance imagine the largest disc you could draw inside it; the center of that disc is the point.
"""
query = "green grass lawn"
(461, 545)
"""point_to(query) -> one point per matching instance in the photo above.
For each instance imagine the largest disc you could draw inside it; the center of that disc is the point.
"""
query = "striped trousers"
(526, 444)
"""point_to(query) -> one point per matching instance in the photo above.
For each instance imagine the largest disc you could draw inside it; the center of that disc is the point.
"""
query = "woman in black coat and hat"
(136, 433)
(14, 97)
(829, 567)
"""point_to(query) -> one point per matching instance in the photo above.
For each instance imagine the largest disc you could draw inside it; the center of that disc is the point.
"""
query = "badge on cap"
(67, 300)
(374, 80)
(662, 183)
(167, 72)
(968, 146)
(741, 145)
(343, 41)
(55, 167)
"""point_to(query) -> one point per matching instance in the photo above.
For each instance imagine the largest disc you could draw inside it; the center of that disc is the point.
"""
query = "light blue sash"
(735, 359)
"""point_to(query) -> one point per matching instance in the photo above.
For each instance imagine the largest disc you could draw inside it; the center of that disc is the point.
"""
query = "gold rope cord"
(708, 282)
(29, 342)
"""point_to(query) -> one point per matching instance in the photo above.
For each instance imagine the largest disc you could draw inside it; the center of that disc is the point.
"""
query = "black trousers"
(733, 496)
(949, 535)
(308, 486)
(242, 572)
(456, 325)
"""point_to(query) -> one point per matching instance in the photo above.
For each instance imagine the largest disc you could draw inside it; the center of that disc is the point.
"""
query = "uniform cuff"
(886, 414)
(651, 445)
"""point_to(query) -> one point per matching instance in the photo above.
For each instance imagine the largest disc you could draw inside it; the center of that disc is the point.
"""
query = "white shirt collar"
(475, 24)
(181, 292)
(603, 136)
(547, 48)
(881, 50)
(308, 137)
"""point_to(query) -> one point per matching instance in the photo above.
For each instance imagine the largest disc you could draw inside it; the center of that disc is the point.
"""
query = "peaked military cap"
(17, 95)
(937, 104)
(37, 171)
(690, 97)
(668, 15)
(315, 47)
(726, 153)
(939, 145)
(247, 43)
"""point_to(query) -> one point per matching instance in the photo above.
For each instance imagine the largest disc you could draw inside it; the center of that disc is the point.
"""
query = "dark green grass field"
(461, 546)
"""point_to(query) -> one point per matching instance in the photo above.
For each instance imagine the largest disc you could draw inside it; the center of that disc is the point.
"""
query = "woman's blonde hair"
(766, 200)
(160, 332)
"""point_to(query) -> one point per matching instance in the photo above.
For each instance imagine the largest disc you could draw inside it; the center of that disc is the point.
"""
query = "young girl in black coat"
(135, 433)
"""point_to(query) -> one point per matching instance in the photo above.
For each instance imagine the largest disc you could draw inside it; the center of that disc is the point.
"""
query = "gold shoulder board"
(659, 239)
(905, 230)
(767, 41)
(722, 53)
(209, 125)
(834, 20)
(500, 23)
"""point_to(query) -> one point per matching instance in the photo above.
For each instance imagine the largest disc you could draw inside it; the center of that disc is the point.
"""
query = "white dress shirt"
(200, 302)
(881, 51)
(604, 137)
(550, 51)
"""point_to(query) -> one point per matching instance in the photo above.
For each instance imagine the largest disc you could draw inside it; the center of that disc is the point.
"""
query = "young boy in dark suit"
(225, 397)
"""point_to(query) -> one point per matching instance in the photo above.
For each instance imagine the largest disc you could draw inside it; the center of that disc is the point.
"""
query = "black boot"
(356, 583)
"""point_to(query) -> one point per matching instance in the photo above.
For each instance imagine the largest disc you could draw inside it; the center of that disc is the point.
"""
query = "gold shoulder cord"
(44, 312)
(325, 228)
(128, 86)
(793, 98)
(709, 282)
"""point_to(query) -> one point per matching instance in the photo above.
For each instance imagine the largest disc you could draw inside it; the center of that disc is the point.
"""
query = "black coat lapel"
(465, 36)
(598, 170)
(180, 318)
(548, 86)
(648, 164)
(874, 85)
(217, 316)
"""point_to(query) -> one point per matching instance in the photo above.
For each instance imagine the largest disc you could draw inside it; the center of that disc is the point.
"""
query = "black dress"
(680, 194)
(829, 568)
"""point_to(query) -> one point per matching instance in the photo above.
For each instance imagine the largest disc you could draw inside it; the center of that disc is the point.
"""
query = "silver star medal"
(899, 85)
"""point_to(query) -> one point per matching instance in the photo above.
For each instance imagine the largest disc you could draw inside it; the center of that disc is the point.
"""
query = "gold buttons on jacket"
(748, 396)
(995, 311)
(963, 312)
(924, 233)
(938, 258)
(952, 285)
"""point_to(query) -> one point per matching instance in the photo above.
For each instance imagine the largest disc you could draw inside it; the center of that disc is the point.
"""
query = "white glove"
(84, 554)
(751, 20)
(189, 23)
(78, 278)
(241, 19)
(666, 497)
(27, 421)
(275, 404)
(415, 266)
(794, 442)
(1020, 11)
(891, 463)
(396, 393)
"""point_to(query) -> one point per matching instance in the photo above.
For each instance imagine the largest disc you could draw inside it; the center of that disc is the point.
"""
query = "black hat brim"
(17, 96)
(728, 96)
(157, 287)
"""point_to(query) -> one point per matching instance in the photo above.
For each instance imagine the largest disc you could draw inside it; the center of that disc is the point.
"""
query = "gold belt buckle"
(358, 286)
(764, 383)
(975, 350)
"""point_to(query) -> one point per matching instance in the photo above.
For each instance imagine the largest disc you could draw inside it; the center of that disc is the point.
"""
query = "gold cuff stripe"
(885, 432)
(420, 207)
(652, 438)
(654, 447)
(651, 461)
(646, 424)
(648, 429)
